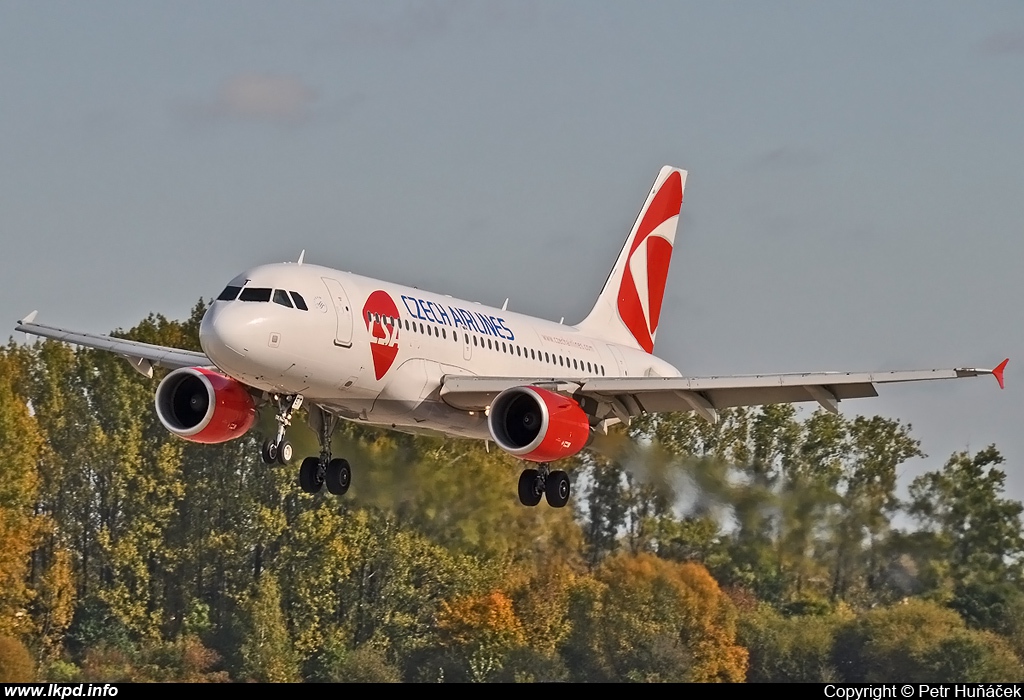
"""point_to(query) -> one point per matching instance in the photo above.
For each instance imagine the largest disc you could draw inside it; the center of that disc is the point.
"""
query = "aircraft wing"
(622, 397)
(141, 356)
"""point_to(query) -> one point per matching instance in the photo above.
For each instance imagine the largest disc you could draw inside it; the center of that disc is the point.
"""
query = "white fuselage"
(377, 352)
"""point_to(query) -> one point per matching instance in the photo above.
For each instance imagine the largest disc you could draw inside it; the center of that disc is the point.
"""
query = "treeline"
(768, 547)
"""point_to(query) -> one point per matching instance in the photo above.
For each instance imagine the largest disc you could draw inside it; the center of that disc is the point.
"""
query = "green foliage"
(920, 642)
(788, 649)
(362, 665)
(967, 522)
(267, 652)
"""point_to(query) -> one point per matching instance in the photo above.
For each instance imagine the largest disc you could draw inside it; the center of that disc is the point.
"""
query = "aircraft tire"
(308, 476)
(269, 452)
(339, 476)
(528, 494)
(557, 489)
(285, 452)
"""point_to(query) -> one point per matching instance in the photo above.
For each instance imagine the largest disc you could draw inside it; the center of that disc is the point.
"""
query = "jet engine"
(200, 405)
(537, 424)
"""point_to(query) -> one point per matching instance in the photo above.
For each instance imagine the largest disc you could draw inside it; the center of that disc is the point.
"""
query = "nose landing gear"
(553, 485)
(277, 449)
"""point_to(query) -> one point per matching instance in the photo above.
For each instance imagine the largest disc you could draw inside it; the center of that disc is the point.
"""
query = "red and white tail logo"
(629, 308)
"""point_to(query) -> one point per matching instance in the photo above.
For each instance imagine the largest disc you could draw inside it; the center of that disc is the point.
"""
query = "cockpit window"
(255, 294)
(281, 297)
(229, 294)
(300, 303)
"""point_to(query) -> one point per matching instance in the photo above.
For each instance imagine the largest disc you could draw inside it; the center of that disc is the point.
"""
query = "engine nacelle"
(200, 405)
(537, 424)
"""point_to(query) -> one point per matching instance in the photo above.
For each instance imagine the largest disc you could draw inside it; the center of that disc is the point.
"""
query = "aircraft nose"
(222, 334)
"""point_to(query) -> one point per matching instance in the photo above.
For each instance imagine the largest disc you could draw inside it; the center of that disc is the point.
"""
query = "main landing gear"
(314, 472)
(553, 485)
(317, 471)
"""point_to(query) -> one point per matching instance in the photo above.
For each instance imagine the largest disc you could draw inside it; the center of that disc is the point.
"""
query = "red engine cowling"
(203, 406)
(537, 424)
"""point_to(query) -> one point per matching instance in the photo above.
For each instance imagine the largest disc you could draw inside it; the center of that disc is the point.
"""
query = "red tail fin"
(628, 310)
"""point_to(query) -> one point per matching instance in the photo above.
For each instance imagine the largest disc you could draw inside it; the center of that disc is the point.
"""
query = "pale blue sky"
(855, 198)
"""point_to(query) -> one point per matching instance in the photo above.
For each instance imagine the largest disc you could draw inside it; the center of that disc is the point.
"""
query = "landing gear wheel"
(310, 476)
(556, 488)
(529, 494)
(269, 452)
(339, 476)
(284, 452)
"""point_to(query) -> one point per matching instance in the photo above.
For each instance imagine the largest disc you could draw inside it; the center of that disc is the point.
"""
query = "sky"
(855, 198)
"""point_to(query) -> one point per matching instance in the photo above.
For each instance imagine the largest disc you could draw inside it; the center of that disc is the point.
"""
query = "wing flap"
(140, 355)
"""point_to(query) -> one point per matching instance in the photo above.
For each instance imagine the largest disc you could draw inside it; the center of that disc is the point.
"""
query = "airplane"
(288, 335)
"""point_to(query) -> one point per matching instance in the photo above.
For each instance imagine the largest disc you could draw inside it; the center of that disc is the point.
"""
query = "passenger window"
(422, 330)
(474, 340)
(229, 294)
(547, 358)
(444, 334)
(255, 294)
(489, 346)
(574, 363)
(300, 303)
(532, 356)
(561, 361)
(519, 352)
(281, 297)
(503, 348)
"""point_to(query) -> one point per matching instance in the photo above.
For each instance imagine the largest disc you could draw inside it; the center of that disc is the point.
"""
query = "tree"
(15, 662)
(267, 653)
(479, 631)
(788, 649)
(920, 642)
(970, 525)
(20, 527)
(868, 501)
(647, 619)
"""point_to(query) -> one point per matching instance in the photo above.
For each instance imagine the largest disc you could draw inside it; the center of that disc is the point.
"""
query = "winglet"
(998, 372)
(29, 318)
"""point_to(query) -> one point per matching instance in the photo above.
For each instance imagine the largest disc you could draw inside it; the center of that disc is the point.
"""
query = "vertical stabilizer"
(629, 307)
